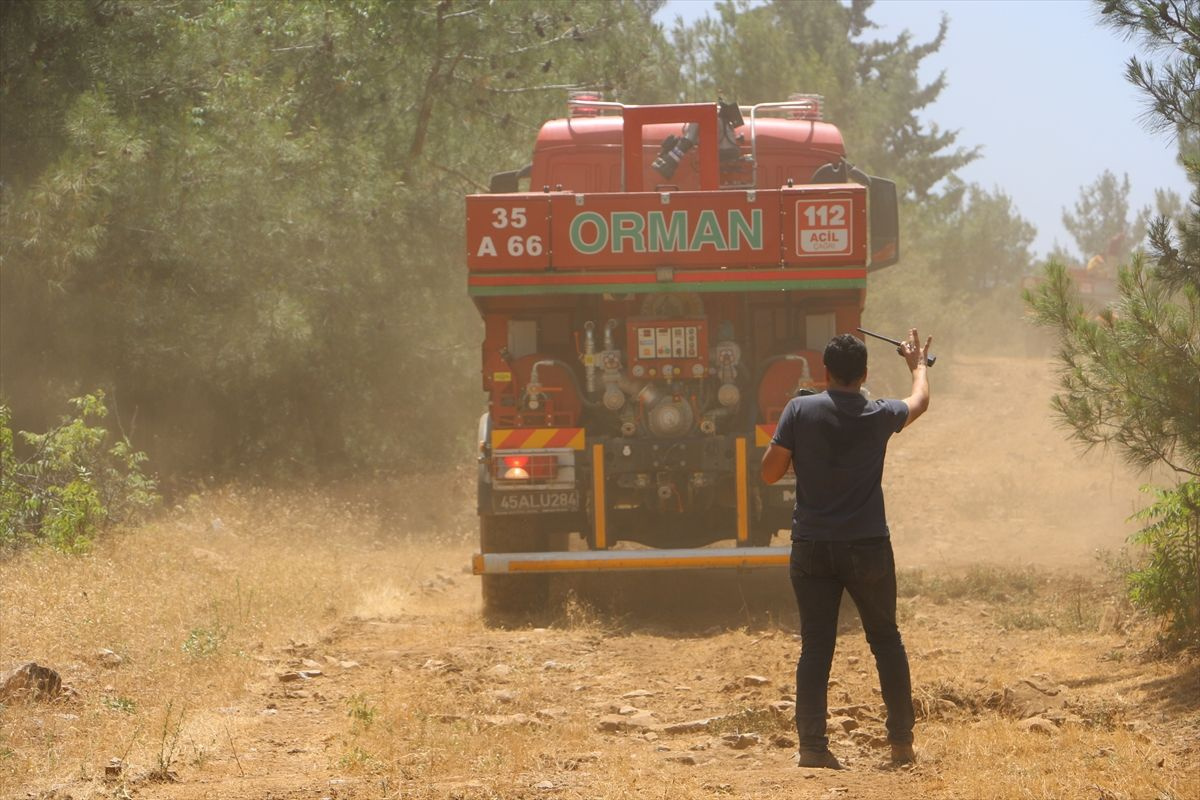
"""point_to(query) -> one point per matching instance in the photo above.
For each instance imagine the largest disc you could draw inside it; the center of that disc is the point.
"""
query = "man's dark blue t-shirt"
(838, 441)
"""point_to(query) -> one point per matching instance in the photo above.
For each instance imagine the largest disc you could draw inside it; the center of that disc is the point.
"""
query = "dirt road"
(276, 646)
(430, 705)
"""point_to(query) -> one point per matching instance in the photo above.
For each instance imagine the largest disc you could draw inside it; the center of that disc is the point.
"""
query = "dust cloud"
(988, 476)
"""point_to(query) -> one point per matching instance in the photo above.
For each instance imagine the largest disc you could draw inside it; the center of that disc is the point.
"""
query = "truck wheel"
(761, 536)
(507, 598)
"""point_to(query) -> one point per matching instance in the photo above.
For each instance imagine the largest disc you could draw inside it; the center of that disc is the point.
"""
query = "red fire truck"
(651, 300)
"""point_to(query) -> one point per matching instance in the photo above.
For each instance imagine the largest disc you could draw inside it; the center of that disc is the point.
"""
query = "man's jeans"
(867, 570)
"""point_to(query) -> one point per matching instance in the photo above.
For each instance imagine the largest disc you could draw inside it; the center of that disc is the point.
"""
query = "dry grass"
(193, 605)
(206, 615)
(432, 733)
(992, 758)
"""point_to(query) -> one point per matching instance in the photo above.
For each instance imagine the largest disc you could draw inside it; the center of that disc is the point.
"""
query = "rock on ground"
(740, 741)
(32, 681)
(640, 722)
(1031, 697)
(691, 726)
(1038, 725)
(107, 658)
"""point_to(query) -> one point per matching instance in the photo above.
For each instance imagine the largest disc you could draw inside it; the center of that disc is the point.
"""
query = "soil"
(1005, 608)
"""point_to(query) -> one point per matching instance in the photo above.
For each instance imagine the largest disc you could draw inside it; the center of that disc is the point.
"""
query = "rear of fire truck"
(650, 304)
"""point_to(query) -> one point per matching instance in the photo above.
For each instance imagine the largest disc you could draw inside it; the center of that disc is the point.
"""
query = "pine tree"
(1131, 375)
(1100, 223)
(871, 88)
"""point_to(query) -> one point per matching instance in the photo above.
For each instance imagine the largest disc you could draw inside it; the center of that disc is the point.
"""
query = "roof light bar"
(807, 106)
(579, 102)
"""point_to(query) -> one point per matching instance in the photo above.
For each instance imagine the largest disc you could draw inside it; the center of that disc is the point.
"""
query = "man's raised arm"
(914, 355)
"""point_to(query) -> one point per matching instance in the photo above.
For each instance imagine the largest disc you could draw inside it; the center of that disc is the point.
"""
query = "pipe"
(531, 400)
(565, 367)
(608, 335)
(806, 375)
(589, 354)
(645, 391)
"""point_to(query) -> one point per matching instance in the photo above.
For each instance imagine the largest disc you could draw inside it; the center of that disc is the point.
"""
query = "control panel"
(673, 349)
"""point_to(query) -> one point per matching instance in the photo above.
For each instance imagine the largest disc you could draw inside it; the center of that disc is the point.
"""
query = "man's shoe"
(903, 754)
(821, 759)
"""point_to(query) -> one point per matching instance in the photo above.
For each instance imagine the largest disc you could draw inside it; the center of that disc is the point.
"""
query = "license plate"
(535, 502)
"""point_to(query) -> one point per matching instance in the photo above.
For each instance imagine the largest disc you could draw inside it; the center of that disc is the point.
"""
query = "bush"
(72, 484)
(1168, 584)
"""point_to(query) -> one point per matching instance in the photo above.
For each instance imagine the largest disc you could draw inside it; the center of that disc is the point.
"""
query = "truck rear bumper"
(740, 558)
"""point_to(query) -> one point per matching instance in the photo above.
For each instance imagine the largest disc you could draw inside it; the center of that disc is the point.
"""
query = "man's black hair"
(846, 358)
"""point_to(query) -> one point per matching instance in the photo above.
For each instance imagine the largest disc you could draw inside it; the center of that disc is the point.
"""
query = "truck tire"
(508, 598)
(761, 535)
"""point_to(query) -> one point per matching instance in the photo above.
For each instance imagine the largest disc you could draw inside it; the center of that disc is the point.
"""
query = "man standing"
(836, 441)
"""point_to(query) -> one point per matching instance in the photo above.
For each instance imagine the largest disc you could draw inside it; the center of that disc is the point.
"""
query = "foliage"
(762, 52)
(982, 243)
(1169, 88)
(1168, 585)
(960, 243)
(1131, 379)
(1131, 375)
(73, 484)
(1100, 223)
(1172, 92)
(247, 216)
(118, 703)
(361, 710)
(202, 642)
(966, 253)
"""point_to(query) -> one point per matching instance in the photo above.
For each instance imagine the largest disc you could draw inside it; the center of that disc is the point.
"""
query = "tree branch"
(461, 176)
(557, 87)
(425, 106)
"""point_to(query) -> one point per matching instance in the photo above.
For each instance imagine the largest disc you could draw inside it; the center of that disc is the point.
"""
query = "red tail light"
(531, 468)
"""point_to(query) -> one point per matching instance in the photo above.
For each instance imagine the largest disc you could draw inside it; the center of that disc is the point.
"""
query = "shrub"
(72, 484)
(1168, 584)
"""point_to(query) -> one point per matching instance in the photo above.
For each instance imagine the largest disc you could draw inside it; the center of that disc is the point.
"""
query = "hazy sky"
(1041, 88)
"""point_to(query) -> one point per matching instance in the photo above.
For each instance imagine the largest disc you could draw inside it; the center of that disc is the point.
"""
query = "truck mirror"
(884, 208)
(508, 182)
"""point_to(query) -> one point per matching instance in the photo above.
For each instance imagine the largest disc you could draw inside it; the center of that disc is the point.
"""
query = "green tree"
(1171, 89)
(983, 243)
(245, 218)
(1100, 223)
(763, 52)
(1131, 376)
(759, 52)
(966, 253)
